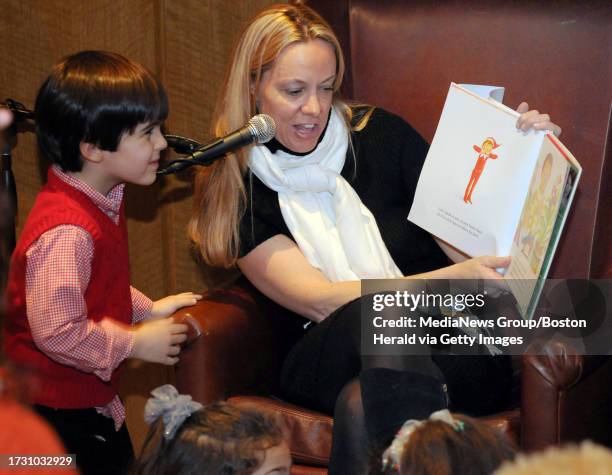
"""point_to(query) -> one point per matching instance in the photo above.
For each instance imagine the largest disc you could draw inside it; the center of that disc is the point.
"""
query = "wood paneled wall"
(187, 43)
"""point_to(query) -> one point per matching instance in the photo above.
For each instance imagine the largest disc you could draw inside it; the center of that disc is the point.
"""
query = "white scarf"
(330, 224)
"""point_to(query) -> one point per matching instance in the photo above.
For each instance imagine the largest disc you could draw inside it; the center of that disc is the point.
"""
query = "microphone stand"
(7, 178)
(180, 144)
(188, 147)
(259, 129)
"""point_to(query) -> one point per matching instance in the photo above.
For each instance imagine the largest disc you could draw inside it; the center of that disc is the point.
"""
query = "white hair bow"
(173, 407)
(393, 454)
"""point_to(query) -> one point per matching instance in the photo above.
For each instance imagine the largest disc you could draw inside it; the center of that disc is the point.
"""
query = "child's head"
(214, 440)
(94, 97)
(584, 459)
(447, 444)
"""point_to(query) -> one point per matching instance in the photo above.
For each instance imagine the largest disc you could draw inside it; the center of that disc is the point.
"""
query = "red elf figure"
(484, 154)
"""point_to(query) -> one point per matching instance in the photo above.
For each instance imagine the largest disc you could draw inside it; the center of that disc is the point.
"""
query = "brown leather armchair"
(243, 341)
(402, 56)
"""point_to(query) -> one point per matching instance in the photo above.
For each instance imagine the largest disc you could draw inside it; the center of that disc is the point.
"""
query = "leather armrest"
(564, 396)
(240, 348)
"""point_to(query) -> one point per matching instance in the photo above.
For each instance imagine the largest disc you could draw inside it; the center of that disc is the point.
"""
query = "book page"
(488, 92)
(476, 176)
(539, 227)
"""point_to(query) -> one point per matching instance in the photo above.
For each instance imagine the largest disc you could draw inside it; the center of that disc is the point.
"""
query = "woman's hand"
(483, 267)
(532, 119)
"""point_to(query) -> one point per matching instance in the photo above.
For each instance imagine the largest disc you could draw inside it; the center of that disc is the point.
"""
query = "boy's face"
(137, 157)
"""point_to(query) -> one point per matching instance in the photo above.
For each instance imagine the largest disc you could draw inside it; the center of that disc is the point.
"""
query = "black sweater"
(389, 156)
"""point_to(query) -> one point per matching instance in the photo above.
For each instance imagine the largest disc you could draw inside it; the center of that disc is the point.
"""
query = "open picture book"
(487, 188)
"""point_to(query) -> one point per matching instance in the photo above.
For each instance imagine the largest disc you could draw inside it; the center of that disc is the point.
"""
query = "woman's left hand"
(532, 119)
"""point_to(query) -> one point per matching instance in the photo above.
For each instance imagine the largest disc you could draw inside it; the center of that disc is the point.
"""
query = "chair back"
(557, 56)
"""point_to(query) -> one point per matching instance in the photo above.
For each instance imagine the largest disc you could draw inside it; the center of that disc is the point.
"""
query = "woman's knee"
(350, 441)
(349, 407)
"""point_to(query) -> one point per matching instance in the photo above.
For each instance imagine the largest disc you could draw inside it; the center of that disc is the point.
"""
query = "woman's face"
(297, 92)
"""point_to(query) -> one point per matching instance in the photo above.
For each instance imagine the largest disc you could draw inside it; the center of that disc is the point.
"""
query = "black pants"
(329, 356)
(99, 449)
(370, 397)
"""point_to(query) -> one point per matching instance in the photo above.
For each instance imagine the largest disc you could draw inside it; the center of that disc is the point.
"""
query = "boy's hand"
(169, 305)
(158, 341)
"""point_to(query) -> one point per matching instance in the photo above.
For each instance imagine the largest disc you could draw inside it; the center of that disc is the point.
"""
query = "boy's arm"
(141, 305)
(57, 275)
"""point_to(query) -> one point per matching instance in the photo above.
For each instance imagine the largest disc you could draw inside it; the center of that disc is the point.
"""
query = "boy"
(70, 303)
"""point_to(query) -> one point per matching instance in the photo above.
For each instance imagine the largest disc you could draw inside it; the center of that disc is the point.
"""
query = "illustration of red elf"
(484, 154)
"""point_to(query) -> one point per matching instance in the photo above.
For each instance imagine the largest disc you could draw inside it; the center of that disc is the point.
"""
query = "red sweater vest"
(107, 295)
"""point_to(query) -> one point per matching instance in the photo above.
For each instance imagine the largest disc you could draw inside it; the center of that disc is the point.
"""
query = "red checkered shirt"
(57, 274)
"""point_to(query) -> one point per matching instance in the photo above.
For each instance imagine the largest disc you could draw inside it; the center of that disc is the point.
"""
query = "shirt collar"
(110, 204)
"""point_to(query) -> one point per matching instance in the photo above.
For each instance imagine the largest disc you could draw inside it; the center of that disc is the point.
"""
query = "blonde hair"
(220, 197)
(584, 459)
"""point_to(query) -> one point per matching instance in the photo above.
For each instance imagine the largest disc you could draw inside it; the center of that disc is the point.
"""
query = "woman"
(323, 205)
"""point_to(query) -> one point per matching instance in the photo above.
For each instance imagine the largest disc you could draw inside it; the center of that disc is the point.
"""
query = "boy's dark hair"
(94, 97)
(218, 439)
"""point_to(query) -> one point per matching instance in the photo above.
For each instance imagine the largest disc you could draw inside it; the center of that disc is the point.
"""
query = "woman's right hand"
(484, 267)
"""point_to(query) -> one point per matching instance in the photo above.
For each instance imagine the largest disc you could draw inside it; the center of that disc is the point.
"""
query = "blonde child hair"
(584, 459)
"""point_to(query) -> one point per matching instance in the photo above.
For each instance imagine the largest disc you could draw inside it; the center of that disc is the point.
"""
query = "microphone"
(259, 129)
